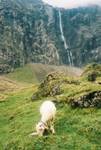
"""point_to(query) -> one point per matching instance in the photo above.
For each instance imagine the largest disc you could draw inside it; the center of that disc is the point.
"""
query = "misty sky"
(72, 3)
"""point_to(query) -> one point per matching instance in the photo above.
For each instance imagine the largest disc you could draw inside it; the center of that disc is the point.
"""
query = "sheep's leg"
(52, 127)
(40, 134)
(34, 133)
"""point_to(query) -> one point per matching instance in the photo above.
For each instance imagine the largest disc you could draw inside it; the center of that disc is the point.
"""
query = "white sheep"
(47, 111)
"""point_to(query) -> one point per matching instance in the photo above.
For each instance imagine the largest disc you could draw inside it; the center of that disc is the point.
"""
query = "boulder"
(92, 99)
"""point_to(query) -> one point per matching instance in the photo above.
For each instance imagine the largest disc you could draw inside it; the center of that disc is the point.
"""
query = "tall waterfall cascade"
(69, 53)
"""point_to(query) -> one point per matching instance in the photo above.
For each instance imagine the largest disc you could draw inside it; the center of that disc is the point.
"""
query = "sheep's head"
(40, 128)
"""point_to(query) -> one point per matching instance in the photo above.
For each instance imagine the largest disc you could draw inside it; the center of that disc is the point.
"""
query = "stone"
(92, 99)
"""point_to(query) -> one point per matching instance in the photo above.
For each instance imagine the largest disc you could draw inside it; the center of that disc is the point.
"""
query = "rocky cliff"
(31, 31)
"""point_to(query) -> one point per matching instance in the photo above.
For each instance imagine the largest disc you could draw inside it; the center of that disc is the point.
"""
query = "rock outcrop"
(82, 92)
(92, 99)
(49, 87)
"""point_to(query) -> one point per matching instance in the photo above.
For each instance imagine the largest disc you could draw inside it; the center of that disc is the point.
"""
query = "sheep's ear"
(34, 133)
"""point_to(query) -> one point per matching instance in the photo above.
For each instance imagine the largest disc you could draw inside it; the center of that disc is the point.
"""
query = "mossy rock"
(91, 99)
(52, 85)
(91, 72)
(49, 87)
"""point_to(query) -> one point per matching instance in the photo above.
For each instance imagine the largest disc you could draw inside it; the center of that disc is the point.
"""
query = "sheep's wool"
(47, 111)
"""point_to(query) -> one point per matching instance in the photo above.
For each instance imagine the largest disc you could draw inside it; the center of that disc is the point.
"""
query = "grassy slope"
(24, 75)
(76, 129)
(29, 75)
(34, 73)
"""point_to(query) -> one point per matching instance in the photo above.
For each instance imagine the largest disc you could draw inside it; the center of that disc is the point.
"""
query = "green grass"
(25, 74)
(76, 129)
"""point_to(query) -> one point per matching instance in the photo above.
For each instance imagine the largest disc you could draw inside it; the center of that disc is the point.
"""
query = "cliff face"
(83, 33)
(30, 32)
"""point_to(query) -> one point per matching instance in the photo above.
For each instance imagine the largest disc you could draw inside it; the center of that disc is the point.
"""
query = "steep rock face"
(83, 30)
(26, 33)
(30, 32)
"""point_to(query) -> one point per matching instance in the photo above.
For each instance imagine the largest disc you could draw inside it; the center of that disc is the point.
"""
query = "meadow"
(76, 129)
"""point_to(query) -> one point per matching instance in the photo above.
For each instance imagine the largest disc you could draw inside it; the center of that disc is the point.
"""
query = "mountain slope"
(18, 117)
(75, 128)
(29, 76)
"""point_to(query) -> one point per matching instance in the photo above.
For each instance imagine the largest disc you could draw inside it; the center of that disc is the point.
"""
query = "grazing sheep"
(47, 111)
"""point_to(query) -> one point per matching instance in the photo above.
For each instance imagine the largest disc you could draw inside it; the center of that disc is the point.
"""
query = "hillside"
(35, 73)
(31, 31)
(29, 75)
(75, 128)
(81, 91)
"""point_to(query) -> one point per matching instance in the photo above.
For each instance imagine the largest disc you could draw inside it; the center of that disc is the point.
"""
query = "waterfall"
(69, 53)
